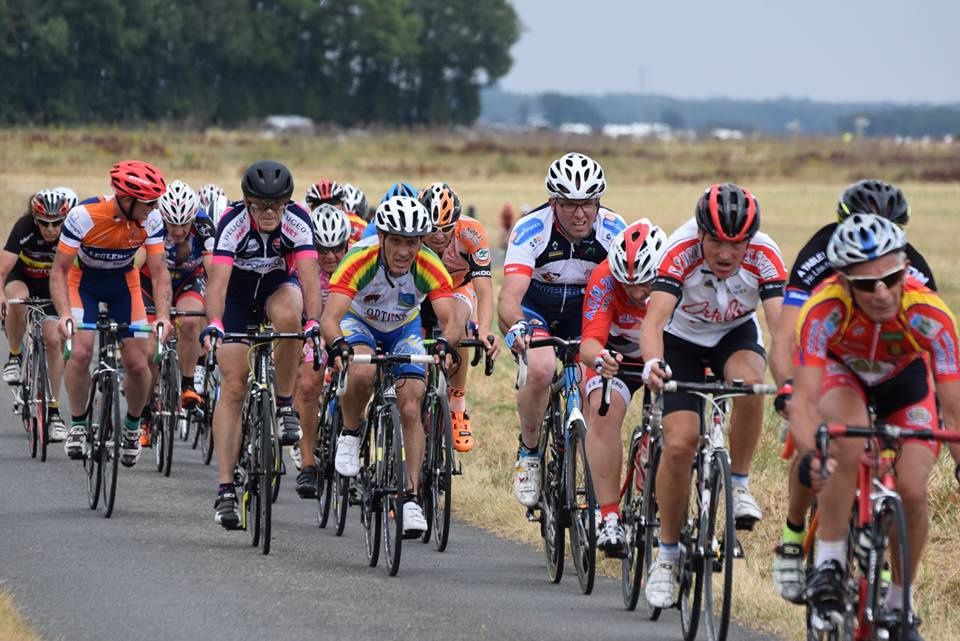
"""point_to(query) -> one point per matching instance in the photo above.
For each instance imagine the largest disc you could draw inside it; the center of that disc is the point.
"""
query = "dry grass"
(12, 625)
(797, 183)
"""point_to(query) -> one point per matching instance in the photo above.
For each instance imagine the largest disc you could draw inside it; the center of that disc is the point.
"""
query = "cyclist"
(188, 241)
(94, 265)
(613, 309)
(329, 192)
(331, 232)
(213, 201)
(872, 334)
(552, 252)
(25, 271)
(354, 200)
(461, 242)
(811, 268)
(248, 283)
(375, 297)
(396, 189)
(718, 267)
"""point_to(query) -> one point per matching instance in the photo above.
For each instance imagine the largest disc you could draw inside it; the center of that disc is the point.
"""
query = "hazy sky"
(839, 50)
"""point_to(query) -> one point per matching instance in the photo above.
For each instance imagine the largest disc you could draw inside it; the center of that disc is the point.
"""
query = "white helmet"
(635, 252)
(863, 237)
(355, 200)
(179, 204)
(331, 225)
(70, 199)
(403, 216)
(209, 194)
(576, 177)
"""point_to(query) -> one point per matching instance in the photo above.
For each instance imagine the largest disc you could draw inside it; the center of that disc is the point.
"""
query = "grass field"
(12, 625)
(796, 181)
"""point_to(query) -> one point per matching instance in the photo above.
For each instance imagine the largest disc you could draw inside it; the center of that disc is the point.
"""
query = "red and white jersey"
(609, 315)
(710, 307)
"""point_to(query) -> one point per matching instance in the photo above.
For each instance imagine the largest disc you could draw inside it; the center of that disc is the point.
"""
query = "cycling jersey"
(357, 225)
(384, 301)
(558, 267)
(812, 268)
(609, 315)
(467, 255)
(710, 307)
(34, 254)
(831, 326)
(254, 254)
(184, 264)
(105, 240)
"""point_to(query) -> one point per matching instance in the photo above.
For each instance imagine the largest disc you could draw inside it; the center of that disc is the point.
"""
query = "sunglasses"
(275, 206)
(332, 250)
(869, 284)
(445, 229)
(148, 203)
(48, 223)
(571, 206)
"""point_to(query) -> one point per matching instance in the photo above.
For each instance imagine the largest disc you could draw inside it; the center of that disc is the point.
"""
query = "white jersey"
(710, 307)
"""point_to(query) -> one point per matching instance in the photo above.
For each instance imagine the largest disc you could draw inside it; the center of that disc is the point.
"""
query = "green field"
(796, 181)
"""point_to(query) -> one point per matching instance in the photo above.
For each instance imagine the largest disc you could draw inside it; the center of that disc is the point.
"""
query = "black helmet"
(728, 212)
(267, 179)
(874, 197)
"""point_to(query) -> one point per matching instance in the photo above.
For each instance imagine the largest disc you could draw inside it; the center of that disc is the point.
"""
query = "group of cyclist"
(856, 324)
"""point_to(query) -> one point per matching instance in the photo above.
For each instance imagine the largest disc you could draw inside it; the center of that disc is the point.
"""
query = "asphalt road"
(160, 568)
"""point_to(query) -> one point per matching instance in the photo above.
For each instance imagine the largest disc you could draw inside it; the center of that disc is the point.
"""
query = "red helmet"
(137, 179)
(728, 212)
(324, 191)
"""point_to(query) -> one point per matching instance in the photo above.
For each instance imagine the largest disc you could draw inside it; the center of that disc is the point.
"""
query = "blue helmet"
(399, 189)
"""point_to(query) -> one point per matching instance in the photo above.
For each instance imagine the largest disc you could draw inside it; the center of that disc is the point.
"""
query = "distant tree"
(673, 119)
(560, 108)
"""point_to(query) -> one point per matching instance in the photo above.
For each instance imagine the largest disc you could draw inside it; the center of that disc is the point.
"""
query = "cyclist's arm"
(804, 412)
(659, 310)
(218, 277)
(483, 286)
(511, 293)
(445, 309)
(7, 262)
(62, 262)
(949, 394)
(160, 278)
(140, 258)
(309, 271)
(338, 304)
(782, 342)
(773, 309)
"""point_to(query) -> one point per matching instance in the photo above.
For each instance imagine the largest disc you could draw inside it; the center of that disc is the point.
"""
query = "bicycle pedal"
(745, 523)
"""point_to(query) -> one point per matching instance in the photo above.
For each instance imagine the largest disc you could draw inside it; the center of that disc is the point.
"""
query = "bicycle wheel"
(341, 501)
(268, 455)
(889, 521)
(551, 492)
(429, 418)
(651, 518)
(441, 484)
(211, 387)
(92, 449)
(718, 541)
(323, 455)
(369, 497)
(393, 482)
(249, 465)
(691, 566)
(26, 400)
(170, 398)
(41, 385)
(582, 505)
(110, 430)
(631, 515)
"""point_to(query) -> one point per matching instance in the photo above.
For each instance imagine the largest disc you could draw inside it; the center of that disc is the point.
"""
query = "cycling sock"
(741, 480)
(669, 552)
(526, 451)
(132, 423)
(54, 406)
(224, 487)
(609, 508)
(348, 432)
(78, 420)
(14, 352)
(284, 401)
(831, 550)
(458, 399)
(790, 535)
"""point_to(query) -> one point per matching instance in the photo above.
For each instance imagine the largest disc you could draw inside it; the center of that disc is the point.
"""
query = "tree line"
(400, 62)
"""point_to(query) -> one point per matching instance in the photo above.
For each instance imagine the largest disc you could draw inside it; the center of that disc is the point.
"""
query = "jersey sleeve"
(357, 268)
(75, 227)
(919, 268)
(430, 276)
(20, 230)
(155, 233)
(205, 234)
(764, 259)
(598, 304)
(934, 327)
(526, 239)
(357, 227)
(820, 322)
(472, 238)
(232, 228)
(297, 232)
(680, 258)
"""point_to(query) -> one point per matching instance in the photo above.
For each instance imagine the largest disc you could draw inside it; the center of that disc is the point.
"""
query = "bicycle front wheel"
(441, 477)
(41, 386)
(631, 515)
(582, 505)
(888, 533)
(393, 482)
(552, 495)
(92, 449)
(26, 392)
(691, 566)
(267, 461)
(110, 432)
(369, 497)
(718, 539)
(327, 428)
(170, 399)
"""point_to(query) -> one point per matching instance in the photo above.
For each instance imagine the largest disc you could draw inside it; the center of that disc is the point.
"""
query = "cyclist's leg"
(84, 305)
(16, 314)
(127, 306)
(465, 311)
(533, 397)
(227, 431)
(410, 389)
(604, 446)
(54, 345)
(284, 308)
(359, 387)
(189, 299)
(306, 399)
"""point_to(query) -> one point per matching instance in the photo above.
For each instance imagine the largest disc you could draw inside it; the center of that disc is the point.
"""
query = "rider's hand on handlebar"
(492, 342)
(655, 373)
(340, 351)
(517, 337)
(607, 363)
(163, 327)
(211, 335)
(442, 349)
(811, 471)
(65, 326)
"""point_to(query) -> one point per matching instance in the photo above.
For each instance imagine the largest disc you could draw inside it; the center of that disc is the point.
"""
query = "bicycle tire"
(441, 488)
(369, 502)
(250, 462)
(268, 452)
(691, 567)
(889, 519)
(110, 430)
(171, 402)
(551, 492)
(393, 483)
(26, 400)
(651, 519)
(41, 395)
(92, 454)
(211, 392)
(581, 502)
(429, 419)
(341, 502)
(323, 455)
(718, 540)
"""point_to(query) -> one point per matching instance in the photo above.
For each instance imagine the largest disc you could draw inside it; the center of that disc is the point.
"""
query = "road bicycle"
(567, 499)
(32, 395)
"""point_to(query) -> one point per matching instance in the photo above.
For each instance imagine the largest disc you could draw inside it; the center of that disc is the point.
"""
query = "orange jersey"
(357, 225)
(105, 240)
(831, 326)
(467, 256)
